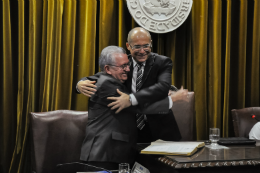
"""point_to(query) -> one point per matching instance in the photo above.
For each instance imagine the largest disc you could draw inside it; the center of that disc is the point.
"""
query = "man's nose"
(141, 50)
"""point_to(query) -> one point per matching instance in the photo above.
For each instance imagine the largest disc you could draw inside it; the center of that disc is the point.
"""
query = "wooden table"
(235, 159)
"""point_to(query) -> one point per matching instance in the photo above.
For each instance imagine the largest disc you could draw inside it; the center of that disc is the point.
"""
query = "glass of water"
(124, 168)
(214, 136)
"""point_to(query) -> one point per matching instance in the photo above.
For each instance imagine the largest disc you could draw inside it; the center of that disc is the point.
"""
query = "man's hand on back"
(121, 102)
(180, 95)
(87, 87)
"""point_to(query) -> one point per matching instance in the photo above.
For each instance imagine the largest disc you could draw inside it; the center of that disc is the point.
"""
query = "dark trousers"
(145, 135)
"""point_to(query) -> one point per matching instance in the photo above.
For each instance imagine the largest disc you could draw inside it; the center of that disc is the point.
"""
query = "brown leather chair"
(242, 120)
(184, 113)
(57, 137)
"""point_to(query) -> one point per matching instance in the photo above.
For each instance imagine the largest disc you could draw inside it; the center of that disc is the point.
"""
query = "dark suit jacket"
(155, 86)
(111, 137)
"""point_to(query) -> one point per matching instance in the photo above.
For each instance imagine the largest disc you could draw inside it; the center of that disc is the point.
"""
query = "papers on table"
(173, 148)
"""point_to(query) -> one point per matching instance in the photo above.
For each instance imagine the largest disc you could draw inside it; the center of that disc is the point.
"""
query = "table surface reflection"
(234, 159)
(232, 153)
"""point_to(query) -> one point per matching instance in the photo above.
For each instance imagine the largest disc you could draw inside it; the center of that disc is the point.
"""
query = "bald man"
(155, 73)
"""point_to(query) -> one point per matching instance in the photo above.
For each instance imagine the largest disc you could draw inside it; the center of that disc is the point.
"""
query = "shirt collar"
(134, 63)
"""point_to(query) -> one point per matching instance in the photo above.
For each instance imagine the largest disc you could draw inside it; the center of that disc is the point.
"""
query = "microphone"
(254, 117)
(80, 163)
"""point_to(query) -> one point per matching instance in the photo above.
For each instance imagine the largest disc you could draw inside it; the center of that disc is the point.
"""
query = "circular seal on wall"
(159, 16)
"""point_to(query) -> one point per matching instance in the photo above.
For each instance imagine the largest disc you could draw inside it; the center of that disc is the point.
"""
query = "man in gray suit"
(156, 81)
(110, 137)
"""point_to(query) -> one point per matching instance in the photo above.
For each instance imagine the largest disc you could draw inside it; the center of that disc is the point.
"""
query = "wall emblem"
(159, 16)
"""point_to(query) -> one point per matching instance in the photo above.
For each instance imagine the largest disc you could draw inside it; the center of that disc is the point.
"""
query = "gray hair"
(107, 55)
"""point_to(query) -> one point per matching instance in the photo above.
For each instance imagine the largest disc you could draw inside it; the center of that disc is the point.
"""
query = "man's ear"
(127, 46)
(107, 69)
(151, 43)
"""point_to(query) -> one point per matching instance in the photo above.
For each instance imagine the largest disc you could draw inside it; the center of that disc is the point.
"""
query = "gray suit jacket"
(111, 137)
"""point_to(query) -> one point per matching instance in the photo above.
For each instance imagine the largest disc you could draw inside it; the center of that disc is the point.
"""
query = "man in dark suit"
(110, 137)
(154, 85)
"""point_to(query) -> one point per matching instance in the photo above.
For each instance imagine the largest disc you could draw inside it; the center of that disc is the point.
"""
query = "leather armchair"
(56, 138)
(242, 120)
(184, 113)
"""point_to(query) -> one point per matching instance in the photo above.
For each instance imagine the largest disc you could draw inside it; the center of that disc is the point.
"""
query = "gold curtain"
(54, 45)
(48, 45)
(7, 95)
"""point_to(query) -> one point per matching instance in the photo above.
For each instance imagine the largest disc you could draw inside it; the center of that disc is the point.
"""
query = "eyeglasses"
(139, 47)
(124, 66)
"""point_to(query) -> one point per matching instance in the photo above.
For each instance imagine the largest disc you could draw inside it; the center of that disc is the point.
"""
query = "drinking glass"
(124, 168)
(214, 136)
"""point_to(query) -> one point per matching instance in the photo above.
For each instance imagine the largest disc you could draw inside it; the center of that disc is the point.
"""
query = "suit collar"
(148, 66)
(150, 60)
(108, 76)
(130, 74)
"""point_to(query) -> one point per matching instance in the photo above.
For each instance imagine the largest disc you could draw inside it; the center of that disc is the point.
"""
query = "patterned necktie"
(139, 117)
(139, 76)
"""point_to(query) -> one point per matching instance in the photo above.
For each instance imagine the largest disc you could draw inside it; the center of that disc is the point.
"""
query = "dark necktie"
(139, 117)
